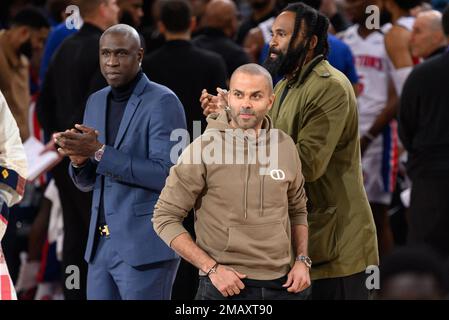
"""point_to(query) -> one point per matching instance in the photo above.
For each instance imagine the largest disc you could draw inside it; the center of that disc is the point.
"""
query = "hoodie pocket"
(323, 235)
(259, 246)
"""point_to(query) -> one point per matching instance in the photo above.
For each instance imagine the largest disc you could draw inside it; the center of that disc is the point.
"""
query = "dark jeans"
(207, 291)
(352, 287)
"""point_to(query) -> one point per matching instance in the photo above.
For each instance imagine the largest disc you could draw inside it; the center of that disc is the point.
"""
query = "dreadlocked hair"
(316, 25)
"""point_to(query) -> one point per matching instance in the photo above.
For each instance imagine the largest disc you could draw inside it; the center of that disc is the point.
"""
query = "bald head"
(221, 14)
(250, 96)
(432, 19)
(120, 54)
(427, 34)
(255, 70)
(123, 30)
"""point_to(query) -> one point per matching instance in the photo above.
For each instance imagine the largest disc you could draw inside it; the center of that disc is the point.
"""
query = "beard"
(250, 123)
(283, 64)
(26, 49)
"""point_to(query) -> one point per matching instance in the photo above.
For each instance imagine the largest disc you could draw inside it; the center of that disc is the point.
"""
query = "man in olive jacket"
(315, 104)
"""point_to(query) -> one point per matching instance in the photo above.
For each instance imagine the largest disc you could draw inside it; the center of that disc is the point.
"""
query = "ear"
(140, 54)
(270, 105)
(440, 38)
(24, 33)
(193, 24)
(313, 42)
(102, 8)
(161, 27)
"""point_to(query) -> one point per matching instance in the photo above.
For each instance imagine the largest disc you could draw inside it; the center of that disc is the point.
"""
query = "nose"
(247, 104)
(112, 61)
(273, 42)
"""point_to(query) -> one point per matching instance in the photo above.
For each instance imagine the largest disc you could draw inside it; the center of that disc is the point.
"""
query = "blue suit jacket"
(135, 169)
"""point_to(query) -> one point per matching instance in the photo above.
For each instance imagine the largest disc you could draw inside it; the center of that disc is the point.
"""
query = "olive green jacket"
(319, 112)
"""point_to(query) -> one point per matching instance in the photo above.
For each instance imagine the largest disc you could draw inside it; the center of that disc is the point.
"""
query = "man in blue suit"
(122, 153)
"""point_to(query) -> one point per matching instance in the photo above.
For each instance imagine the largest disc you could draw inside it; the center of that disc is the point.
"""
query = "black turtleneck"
(117, 101)
(437, 52)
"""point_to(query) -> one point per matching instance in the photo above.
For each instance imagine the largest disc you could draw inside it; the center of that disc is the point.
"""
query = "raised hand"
(211, 103)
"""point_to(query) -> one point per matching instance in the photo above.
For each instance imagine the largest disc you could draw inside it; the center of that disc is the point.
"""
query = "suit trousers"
(110, 278)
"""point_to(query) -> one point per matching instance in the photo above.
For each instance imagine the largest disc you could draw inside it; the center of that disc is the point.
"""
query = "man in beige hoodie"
(244, 181)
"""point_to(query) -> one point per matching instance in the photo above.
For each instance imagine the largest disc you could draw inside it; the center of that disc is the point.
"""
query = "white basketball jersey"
(371, 61)
(400, 75)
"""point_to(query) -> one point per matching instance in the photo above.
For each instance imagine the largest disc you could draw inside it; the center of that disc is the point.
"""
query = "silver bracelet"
(212, 270)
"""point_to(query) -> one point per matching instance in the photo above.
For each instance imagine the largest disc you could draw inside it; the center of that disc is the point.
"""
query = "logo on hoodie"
(277, 174)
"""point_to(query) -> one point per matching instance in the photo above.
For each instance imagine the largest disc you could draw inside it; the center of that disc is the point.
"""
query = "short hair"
(30, 17)
(419, 260)
(176, 15)
(88, 7)
(256, 70)
(316, 23)
(408, 4)
(446, 21)
(124, 30)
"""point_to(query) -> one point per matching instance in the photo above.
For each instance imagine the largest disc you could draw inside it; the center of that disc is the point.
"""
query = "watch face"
(306, 260)
(98, 155)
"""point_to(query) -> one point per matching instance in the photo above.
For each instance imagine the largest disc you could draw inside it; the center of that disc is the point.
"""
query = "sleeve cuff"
(171, 231)
(300, 219)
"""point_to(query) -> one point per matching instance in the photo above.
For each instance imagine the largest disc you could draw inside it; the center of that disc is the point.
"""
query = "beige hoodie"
(242, 218)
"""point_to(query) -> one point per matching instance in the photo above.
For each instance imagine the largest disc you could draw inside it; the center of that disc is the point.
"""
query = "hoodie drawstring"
(246, 189)
(261, 195)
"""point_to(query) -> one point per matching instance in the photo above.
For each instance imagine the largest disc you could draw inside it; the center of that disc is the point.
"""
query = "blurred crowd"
(49, 67)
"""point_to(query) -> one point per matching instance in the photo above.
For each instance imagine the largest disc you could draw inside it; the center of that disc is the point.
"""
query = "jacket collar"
(304, 72)
(131, 107)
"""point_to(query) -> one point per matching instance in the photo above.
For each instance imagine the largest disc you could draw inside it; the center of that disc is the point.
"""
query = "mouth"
(246, 116)
(113, 75)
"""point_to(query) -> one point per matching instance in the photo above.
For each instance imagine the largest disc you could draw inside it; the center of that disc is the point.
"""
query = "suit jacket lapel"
(130, 109)
(102, 110)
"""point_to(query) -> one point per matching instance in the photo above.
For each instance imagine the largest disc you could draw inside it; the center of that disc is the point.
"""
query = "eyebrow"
(252, 93)
(114, 50)
(278, 30)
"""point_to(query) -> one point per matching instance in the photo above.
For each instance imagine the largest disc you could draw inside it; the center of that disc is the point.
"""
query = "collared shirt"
(14, 83)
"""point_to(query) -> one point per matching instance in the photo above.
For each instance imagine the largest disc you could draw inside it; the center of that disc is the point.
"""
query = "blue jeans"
(207, 291)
